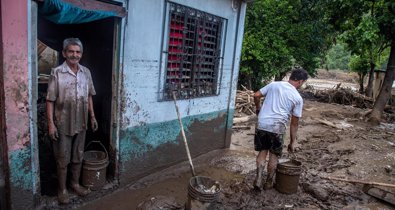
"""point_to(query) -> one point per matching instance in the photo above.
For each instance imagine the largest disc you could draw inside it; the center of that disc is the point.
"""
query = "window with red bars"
(194, 53)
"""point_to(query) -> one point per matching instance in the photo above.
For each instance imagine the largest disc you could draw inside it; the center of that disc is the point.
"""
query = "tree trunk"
(360, 80)
(385, 91)
(369, 88)
(249, 82)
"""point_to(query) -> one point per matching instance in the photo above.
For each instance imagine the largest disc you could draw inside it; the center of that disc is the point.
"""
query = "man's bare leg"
(260, 166)
(271, 170)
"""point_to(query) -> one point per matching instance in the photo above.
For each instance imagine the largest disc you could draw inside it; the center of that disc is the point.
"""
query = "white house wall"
(148, 125)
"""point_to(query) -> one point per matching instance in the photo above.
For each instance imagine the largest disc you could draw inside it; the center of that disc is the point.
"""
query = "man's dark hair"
(298, 74)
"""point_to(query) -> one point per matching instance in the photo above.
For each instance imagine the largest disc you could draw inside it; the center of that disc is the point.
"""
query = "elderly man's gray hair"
(72, 41)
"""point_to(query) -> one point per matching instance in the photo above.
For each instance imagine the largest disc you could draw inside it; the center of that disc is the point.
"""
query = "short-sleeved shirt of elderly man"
(70, 92)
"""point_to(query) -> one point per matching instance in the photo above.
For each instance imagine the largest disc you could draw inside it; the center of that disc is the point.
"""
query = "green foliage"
(382, 60)
(279, 35)
(367, 27)
(337, 57)
(359, 64)
(363, 39)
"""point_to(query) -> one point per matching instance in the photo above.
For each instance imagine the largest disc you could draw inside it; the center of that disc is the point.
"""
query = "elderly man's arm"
(52, 130)
(94, 124)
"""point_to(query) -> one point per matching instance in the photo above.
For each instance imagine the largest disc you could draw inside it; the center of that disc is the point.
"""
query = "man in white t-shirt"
(282, 103)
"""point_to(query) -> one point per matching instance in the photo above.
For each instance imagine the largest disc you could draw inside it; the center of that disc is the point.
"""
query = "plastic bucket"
(202, 192)
(287, 176)
(94, 167)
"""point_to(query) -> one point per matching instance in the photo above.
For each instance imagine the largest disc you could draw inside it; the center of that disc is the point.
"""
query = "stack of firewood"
(245, 101)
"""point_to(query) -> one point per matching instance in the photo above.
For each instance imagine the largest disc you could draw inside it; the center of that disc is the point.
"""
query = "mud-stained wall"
(14, 17)
(153, 146)
(149, 137)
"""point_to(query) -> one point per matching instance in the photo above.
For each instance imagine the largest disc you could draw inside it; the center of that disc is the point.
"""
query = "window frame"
(164, 92)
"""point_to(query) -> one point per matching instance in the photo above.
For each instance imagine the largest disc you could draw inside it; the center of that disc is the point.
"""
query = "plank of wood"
(326, 122)
(243, 119)
(379, 193)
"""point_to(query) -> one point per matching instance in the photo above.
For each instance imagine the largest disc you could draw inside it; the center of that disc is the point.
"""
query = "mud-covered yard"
(354, 150)
(333, 141)
(350, 149)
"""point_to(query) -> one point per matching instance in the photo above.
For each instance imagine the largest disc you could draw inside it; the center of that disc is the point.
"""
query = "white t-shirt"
(281, 100)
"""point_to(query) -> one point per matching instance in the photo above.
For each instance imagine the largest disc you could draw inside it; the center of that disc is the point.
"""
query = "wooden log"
(243, 104)
(243, 119)
(326, 122)
(241, 127)
(379, 193)
(250, 111)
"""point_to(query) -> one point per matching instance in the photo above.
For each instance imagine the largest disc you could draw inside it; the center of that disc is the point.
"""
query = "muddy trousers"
(69, 149)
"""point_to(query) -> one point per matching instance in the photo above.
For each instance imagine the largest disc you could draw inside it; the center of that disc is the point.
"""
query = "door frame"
(117, 72)
(4, 181)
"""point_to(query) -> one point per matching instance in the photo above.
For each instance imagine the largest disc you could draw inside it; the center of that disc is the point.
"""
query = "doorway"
(100, 55)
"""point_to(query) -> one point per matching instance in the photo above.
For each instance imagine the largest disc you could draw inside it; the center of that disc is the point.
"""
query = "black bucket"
(94, 167)
(202, 192)
(287, 176)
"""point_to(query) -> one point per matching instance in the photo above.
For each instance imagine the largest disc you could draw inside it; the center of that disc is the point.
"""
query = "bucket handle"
(98, 143)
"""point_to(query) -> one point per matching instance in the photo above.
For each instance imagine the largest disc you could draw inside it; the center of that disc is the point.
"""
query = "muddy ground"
(351, 148)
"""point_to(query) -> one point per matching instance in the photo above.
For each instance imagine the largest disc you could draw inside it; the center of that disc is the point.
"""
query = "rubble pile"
(345, 96)
(339, 95)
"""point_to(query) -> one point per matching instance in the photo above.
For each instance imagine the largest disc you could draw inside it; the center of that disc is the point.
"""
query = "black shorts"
(265, 140)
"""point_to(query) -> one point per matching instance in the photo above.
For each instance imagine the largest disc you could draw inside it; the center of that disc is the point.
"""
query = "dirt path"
(352, 150)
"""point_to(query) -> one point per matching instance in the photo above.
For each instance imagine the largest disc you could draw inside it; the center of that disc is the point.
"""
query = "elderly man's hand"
(94, 124)
(53, 132)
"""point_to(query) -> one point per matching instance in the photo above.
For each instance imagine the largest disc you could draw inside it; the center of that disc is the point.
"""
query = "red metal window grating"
(194, 53)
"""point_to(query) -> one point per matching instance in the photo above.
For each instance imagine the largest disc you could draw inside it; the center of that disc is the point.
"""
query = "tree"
(365, 41)
(346, 15)
(337, 57)
(361, 66)
(386, 19)
(279, 35)
(264, 51)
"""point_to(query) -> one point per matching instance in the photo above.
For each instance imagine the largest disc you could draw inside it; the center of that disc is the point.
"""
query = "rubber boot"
(63, 195)
(75, 181)
(258, 178)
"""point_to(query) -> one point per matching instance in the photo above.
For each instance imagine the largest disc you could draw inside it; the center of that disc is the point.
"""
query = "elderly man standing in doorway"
(282, 103)
(69, 99)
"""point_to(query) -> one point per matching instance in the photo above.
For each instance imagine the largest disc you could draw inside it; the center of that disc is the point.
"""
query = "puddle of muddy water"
(175, 187)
